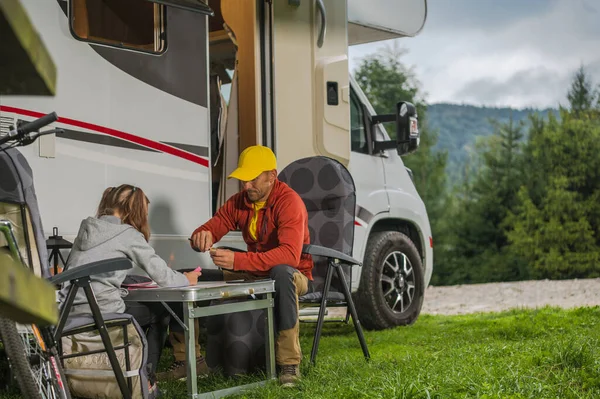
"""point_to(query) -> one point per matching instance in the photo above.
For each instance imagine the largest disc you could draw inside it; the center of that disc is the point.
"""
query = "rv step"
(311, 312)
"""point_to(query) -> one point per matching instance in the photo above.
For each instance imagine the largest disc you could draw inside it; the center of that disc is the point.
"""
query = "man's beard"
(253, 195)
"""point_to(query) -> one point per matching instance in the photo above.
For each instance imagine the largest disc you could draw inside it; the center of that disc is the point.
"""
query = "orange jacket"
(282, 229)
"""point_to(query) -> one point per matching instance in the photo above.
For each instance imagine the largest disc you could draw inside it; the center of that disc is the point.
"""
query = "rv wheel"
(392, 284)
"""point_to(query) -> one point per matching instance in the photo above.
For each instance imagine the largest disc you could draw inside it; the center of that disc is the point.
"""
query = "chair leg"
(64, 313)
(110, 351)
(321, 318)
(127, 360)
(357, 326)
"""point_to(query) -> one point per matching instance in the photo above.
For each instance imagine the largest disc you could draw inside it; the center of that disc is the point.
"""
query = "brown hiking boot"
(177, 370)
(289, 376)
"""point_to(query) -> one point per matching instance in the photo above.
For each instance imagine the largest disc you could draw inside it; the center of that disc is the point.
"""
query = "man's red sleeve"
(291, 222)
(224, 221)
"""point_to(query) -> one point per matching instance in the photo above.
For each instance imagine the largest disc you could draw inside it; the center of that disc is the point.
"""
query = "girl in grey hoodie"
(121, 229)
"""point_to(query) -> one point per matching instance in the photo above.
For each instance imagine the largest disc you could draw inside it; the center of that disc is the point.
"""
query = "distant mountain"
(459, 126)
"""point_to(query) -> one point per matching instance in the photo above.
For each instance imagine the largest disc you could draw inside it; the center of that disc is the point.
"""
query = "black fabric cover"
(16, 186)
(328, 191)
(235, 342)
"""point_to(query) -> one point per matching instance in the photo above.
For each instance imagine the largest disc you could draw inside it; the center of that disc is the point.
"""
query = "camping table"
(207, 291)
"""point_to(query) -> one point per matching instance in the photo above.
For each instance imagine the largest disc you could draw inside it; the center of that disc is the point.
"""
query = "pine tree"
(582, 96)
(556, 238)
(479, 243)
(556, 226)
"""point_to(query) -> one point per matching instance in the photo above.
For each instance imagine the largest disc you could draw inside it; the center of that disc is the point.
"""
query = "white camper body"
(152, 111)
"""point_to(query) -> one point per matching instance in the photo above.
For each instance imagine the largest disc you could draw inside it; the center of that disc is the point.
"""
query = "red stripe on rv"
(115, 133)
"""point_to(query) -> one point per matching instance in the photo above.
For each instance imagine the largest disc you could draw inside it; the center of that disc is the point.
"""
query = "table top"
(58, 243)
(203, 291)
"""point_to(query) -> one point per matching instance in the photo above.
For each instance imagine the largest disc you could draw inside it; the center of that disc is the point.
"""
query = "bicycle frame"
(6, 228)
(37, 342)
(43, 336)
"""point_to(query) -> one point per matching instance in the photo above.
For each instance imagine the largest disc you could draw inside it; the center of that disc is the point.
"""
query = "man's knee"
(283, 275)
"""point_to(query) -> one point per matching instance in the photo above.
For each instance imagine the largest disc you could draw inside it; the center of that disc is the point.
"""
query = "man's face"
(258, 190)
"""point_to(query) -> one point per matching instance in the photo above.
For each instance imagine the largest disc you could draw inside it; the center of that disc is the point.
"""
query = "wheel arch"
(403, 226)
(385, 222)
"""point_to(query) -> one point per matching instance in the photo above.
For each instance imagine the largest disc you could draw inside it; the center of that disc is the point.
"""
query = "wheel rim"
(41, 368)
(397, 282)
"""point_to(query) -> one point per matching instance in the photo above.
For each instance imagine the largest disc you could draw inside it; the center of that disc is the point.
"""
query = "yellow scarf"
(252, 227)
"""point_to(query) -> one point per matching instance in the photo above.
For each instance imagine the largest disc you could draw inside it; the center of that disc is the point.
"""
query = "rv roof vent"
(5, 123)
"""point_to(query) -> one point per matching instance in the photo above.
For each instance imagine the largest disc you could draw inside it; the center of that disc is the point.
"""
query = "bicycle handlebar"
(37, 124)
(26, 128)
(5, 139)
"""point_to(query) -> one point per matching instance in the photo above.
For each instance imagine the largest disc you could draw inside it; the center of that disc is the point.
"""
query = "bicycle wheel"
(45, 364)
(18, 360)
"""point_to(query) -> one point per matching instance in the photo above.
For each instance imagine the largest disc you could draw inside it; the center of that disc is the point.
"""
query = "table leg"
(174, 315)
(270, 347)
(190, 348)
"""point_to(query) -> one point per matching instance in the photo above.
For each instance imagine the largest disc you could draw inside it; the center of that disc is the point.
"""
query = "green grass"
(546, 353)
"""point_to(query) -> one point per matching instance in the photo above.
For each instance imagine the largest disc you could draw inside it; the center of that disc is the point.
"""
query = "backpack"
(91, 375)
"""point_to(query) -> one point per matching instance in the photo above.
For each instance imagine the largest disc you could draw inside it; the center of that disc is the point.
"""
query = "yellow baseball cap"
(253, 161)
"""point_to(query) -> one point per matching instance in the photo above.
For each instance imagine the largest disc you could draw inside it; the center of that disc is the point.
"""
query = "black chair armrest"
(90, 269)
(223, 247)
(234, 249)
(318, 250)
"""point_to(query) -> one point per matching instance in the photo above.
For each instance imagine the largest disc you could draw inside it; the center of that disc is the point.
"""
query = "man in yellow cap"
(274, 223)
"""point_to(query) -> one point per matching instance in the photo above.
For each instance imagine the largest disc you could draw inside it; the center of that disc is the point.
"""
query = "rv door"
(312, 109)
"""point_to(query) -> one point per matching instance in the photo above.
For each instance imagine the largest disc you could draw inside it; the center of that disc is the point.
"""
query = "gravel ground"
(494, 297)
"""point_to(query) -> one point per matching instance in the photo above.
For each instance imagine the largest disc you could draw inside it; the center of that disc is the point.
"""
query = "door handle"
(323, 30)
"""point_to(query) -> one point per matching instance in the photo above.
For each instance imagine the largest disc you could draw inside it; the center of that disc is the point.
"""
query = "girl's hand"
(192, 277)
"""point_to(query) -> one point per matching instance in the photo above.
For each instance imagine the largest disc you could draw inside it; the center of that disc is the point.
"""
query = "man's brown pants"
(289, 284)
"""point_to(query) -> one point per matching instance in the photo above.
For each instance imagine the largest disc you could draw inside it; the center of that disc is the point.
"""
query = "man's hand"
(223, 258)
(202, 240)
(192, 277)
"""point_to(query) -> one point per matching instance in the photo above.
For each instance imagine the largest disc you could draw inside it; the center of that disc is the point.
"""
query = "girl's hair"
(131, 203)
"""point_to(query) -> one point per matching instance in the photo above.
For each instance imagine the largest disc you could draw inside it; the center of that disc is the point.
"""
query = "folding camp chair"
(80, 332)
(329, 194)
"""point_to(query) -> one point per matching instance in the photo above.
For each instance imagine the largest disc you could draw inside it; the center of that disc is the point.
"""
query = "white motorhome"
(164, 94)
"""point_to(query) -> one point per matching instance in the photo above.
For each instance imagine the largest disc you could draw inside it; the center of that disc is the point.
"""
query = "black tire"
(19, 363)
(401, 276)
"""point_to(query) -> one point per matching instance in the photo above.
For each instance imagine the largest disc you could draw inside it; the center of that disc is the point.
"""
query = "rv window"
(358, 138)
(131, 24)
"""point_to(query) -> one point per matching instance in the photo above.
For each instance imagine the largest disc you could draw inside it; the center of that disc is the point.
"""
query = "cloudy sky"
(520, 53)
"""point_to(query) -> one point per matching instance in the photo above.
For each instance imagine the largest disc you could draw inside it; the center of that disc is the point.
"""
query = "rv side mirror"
(407, 129)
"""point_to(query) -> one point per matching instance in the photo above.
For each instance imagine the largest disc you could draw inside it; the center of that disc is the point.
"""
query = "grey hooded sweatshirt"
(106, 238)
